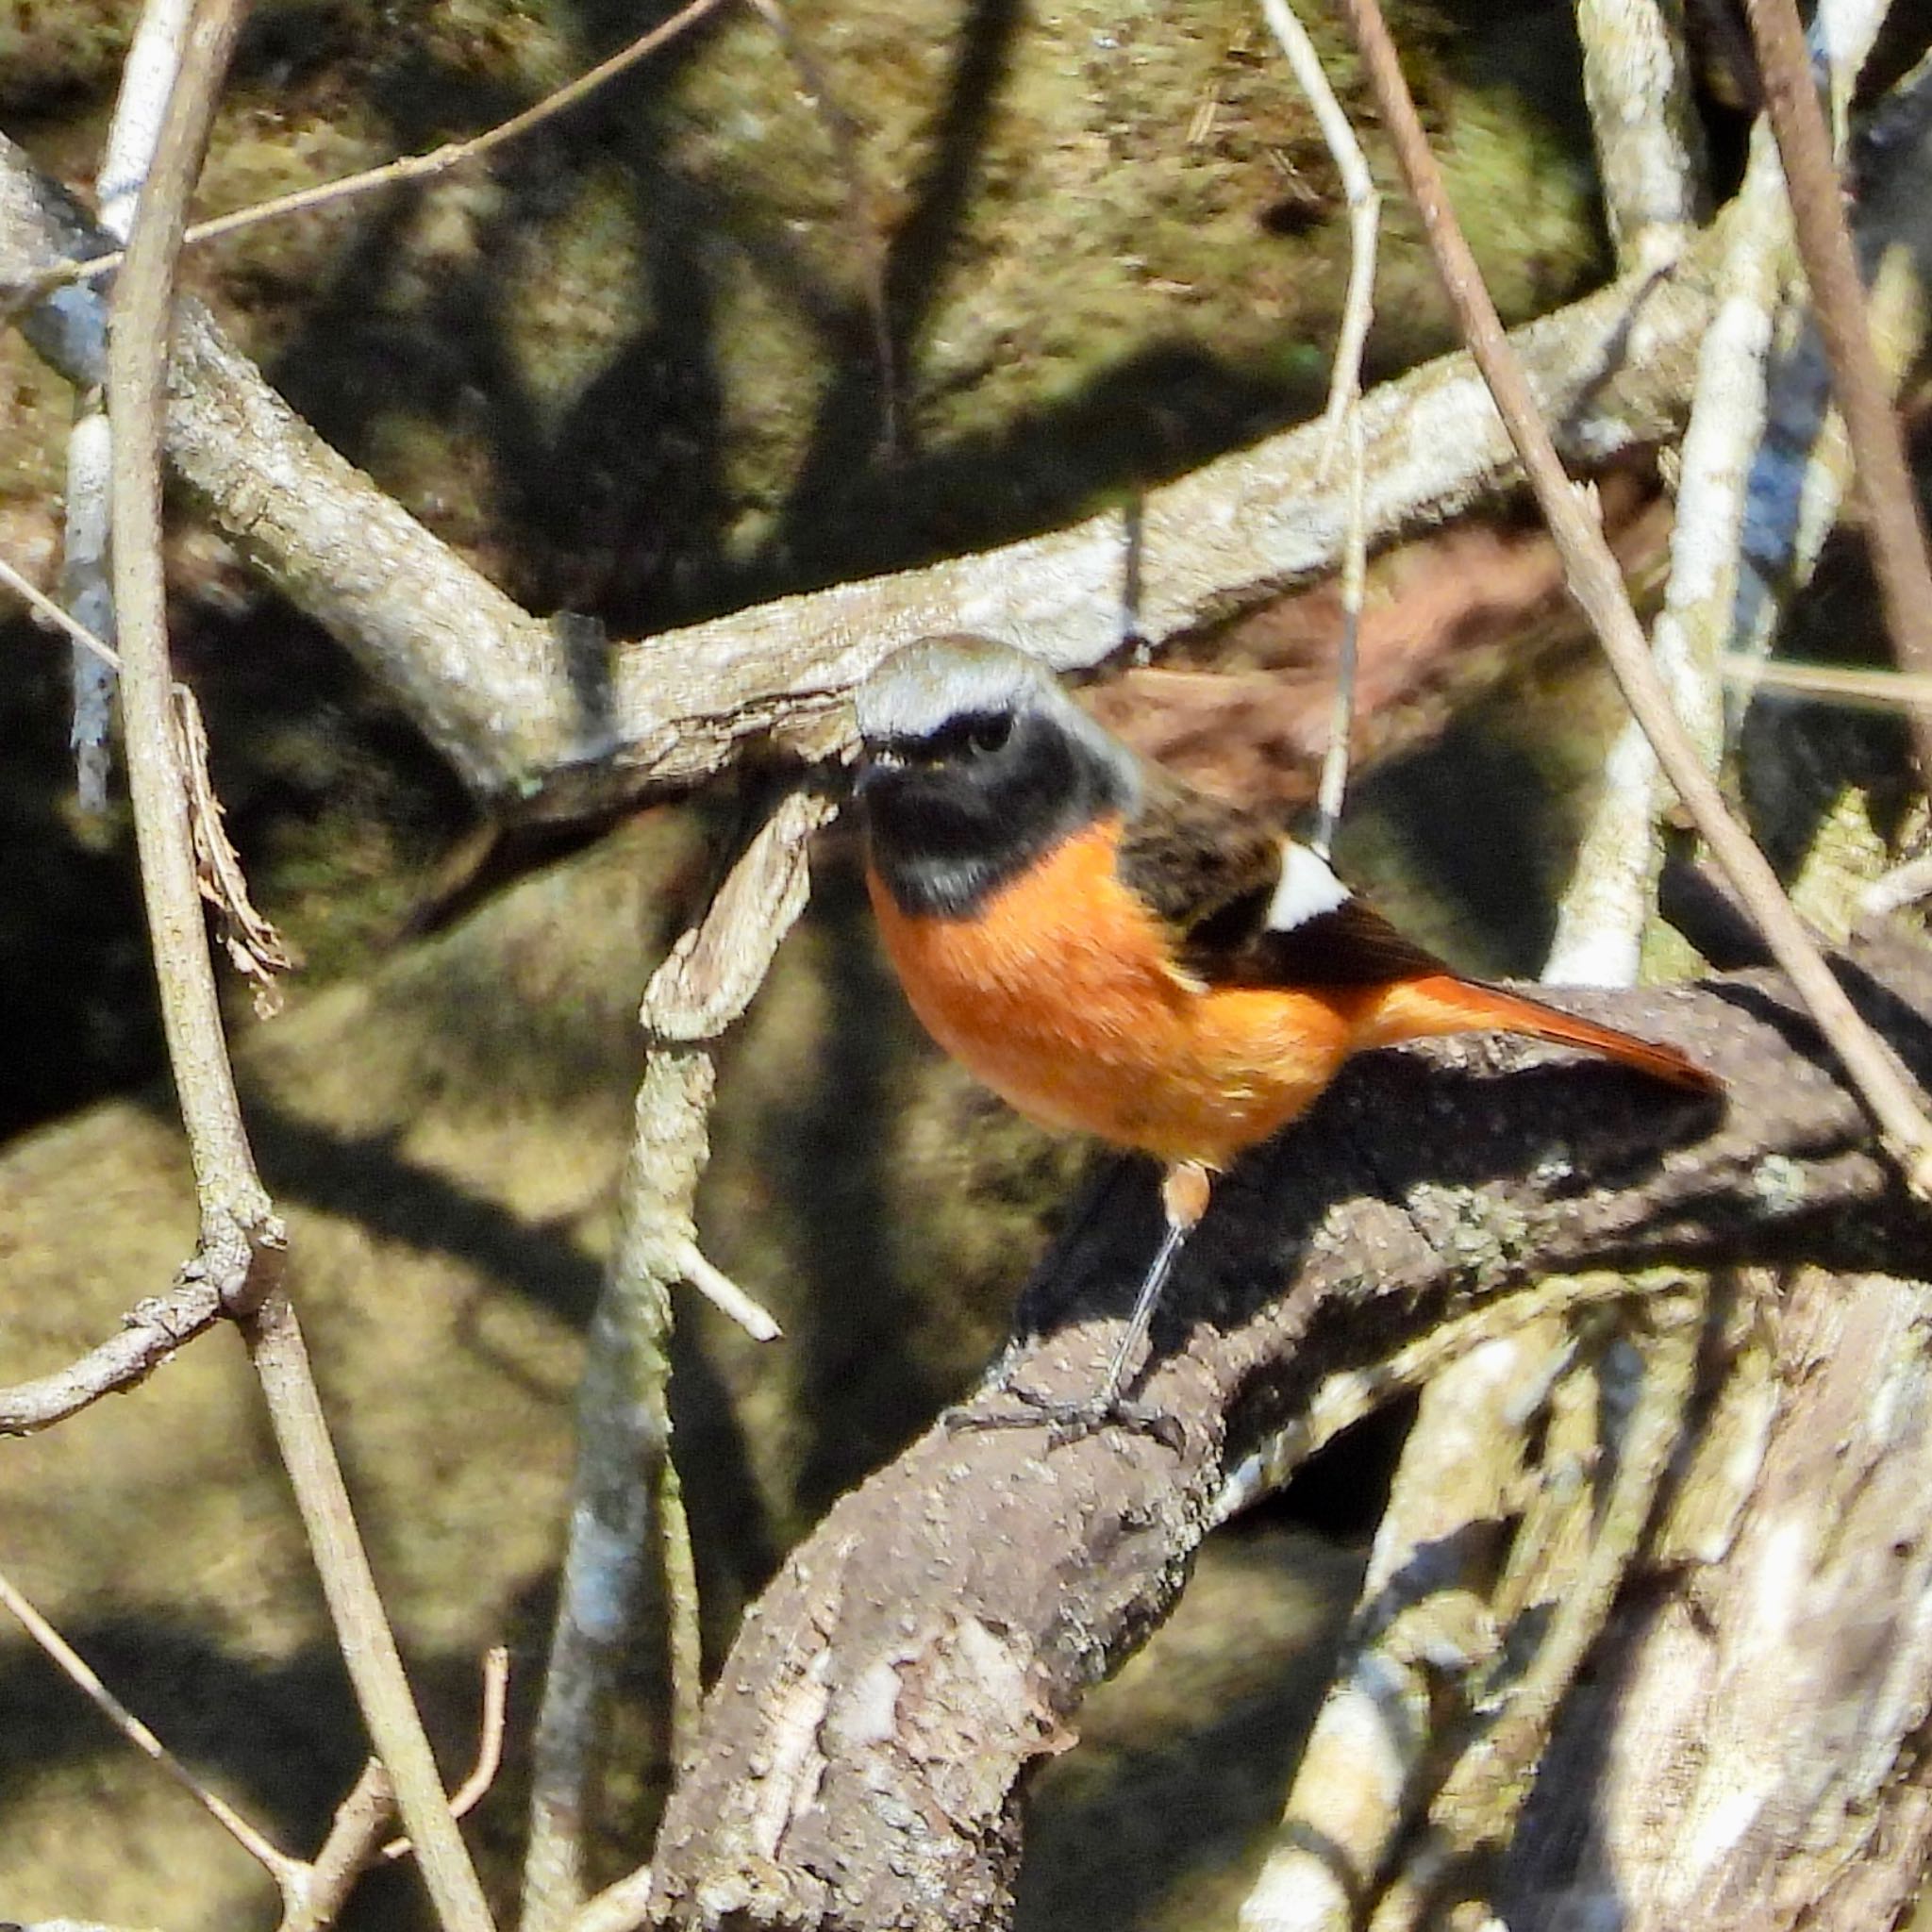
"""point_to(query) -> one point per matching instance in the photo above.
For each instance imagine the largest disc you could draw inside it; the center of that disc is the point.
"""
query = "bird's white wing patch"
(1307, 888)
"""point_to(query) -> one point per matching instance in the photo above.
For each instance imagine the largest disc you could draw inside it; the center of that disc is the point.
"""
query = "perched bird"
(1111, 950)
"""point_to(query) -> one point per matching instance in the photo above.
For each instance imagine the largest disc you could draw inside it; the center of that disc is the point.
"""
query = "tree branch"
(492, 689)
(1886, 495)
(861, 1751)
(240, 1237)
(1596, 584)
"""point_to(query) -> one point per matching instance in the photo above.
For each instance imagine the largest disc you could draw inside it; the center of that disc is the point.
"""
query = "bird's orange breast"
(1063, 993)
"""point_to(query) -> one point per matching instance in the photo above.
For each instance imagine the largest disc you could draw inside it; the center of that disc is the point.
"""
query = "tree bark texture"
(864, 1753)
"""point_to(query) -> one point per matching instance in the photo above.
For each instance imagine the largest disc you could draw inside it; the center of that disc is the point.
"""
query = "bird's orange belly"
(1060, 994)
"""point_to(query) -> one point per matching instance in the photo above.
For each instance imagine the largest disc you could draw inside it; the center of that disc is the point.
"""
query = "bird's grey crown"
(924, 687)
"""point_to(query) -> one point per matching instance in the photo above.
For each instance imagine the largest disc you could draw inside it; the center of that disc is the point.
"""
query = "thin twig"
(44, 607)
(1594, 581)
(368, 1644)
(148, 77)
(1364, 216)
(346, 1853)
(280, 1866)
(240, 1237)
(726, 1295)
(1845, 684)
(439, 160)
(490, 1729)
(1354, 573)
(1882, 477)
(1342, 420)
(151, 1333)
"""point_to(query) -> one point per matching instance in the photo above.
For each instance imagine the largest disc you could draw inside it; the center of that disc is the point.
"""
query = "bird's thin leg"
(1184, 1190)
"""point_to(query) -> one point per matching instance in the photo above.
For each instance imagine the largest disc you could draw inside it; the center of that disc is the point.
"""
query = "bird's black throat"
(947, 833)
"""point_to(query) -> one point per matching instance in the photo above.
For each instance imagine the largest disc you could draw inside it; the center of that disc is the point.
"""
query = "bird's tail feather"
(1439, 1004)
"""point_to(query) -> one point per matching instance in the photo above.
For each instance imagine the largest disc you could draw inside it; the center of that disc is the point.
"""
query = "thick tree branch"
(861, 1753)
(494, 689)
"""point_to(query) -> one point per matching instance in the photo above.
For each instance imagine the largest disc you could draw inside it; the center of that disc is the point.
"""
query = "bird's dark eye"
(990, 733)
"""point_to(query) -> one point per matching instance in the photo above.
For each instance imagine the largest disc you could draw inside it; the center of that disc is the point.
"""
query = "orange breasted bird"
(1111, 950)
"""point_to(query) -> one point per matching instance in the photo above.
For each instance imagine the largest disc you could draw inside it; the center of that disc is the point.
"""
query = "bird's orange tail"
(1440, 1003)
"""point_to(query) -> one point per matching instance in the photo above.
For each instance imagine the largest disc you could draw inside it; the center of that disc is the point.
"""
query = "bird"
(1114, 951)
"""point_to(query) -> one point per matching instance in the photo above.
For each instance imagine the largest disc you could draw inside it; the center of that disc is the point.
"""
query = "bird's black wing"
(1248, 906)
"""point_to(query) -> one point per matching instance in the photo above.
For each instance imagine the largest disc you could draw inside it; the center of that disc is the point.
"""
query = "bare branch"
(153, 1330)
(1886, 492)
(490, 684)
(1611, 897)
(624, 1479)
(147, 79)
(1649, 145)
(1597, 586)
(1342, 421)
(1476, 1808)
(346, 1853)
(241, 1235)
(1420, 1610)
(276, 1862)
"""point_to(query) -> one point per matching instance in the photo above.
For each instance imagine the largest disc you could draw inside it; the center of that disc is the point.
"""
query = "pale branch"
(1342, 420)
(147, 79)
(1421, 1606)
(151, 1332)
(1803, 466)
(486, 682)
(1886, 496)
(1478, 1804)
(355, 1837)
(1611, 897)
(79, 1672)
(240, 1238)
(625, 1485)
(1638, 82)
(1596, 584)
(240, 1234)
(492, 688)
(1744, 1751)
(1349, 1395)
(861, 1753)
